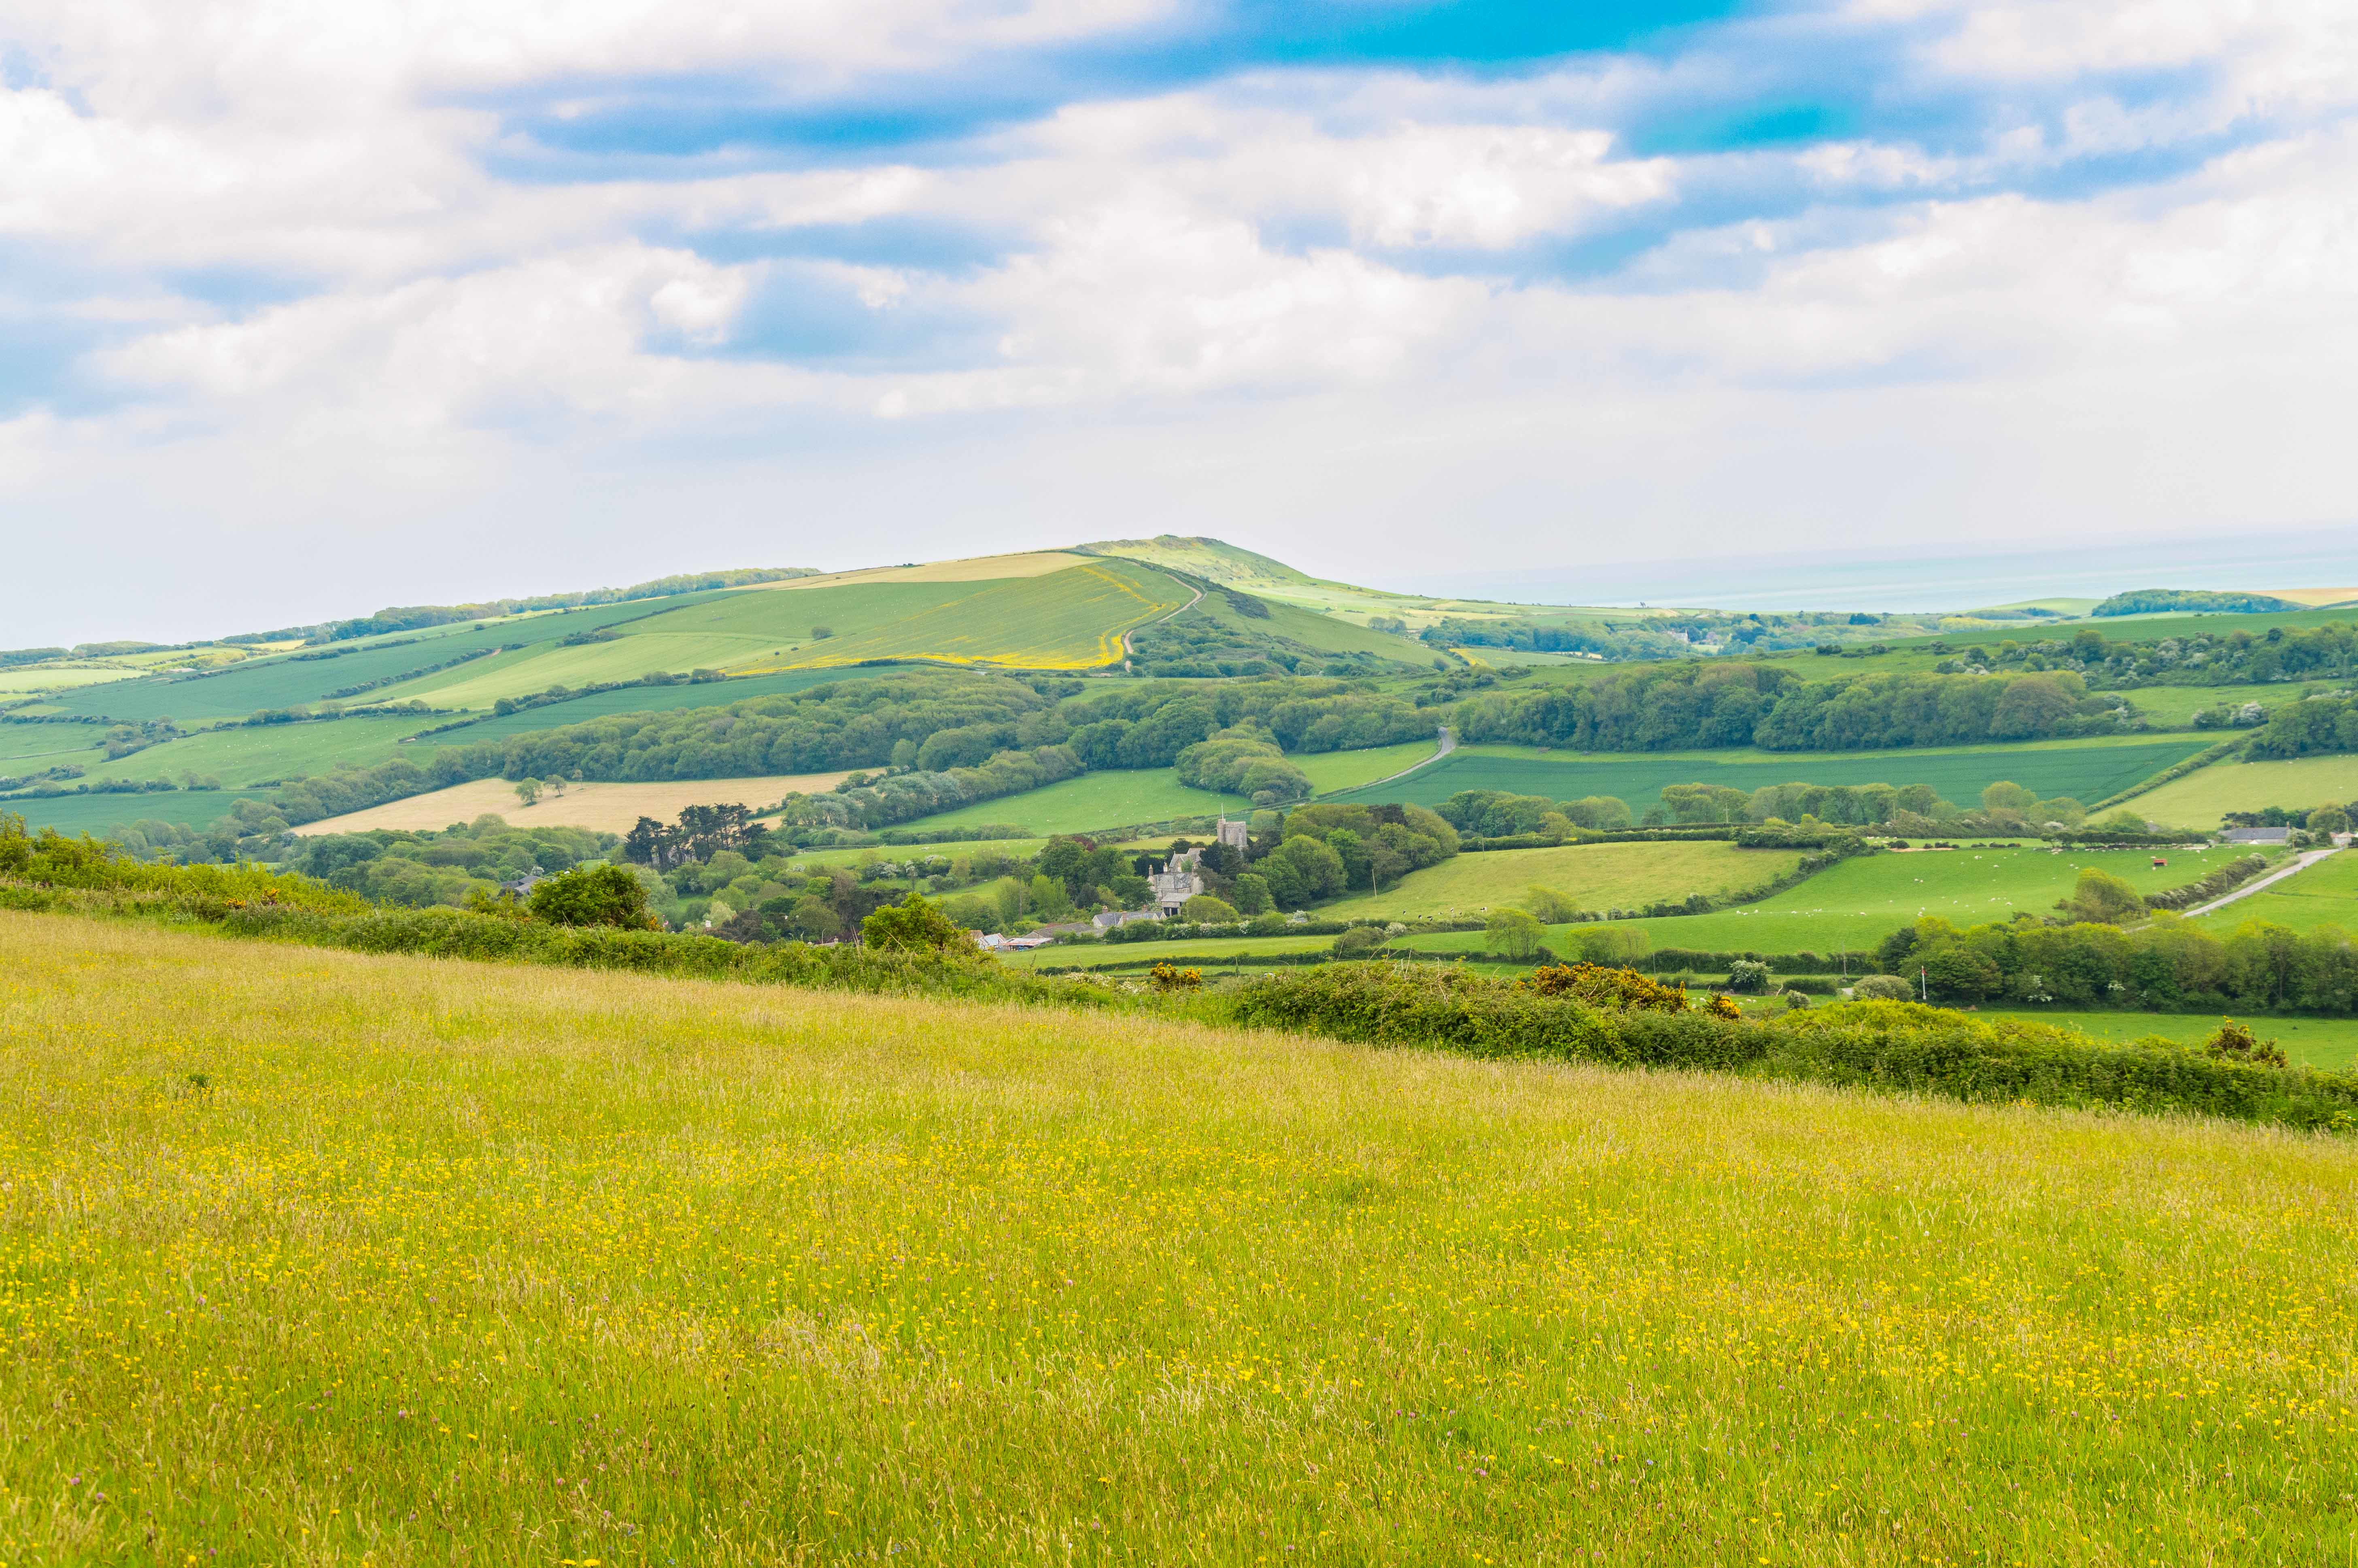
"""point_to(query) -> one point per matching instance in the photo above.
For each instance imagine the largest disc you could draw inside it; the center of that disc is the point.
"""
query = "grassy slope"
(2088, 769)
(648, 699)
(96, 814)
(589, 1266)
(1855, 904)
(2197, 799)
(51, 743)
(246, 754)
(59, 677)
(1595, 876)
(2326, 1042)
(2325, 894)
(1116, 798)
(2174, 707)
(1338, 771)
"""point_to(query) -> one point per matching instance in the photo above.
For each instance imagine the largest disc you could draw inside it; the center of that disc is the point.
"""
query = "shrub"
(1748, 974)
(1723, 1006)
(1883, 988)
(1549, 907)
(1168, 978)
(2235, 1042)
(1358, 942)
(1513, 933)
(913, 926)
(592, 895)
(1204, 910)
(1624, 990)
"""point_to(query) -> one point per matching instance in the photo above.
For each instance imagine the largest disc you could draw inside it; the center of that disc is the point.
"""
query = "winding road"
(1448, 744)
(2301, 863)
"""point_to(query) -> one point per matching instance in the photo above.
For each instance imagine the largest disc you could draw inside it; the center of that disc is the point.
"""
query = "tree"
(1049, 900)
(812, 920)
(1549, 906)
(913, 926)
(1301, 872)
(1883, 988)
(2007, 796)
(2328, 819)
(2103, 898)
(1251, 894)
(1206, 910)
(1513, 933)
(1748, 975)
(528, 791)
(1360, 941)
(592, 895)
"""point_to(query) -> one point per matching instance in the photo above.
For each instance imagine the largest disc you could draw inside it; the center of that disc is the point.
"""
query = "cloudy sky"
(311, 306)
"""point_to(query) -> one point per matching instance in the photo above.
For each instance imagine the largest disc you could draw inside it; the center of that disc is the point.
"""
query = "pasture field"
(969, 568)
(1135, 954)
(2198, 800)
(1331, 772)
(2324, 894)
(243, 754)
(482, 682)
(27, 678)
(52, 743)
(1855, 903)
(1070, 619)
(1117, 797)
(2174, 707)
(608, 807)
(98, 815)
(1594, 876)
(2330, 1044)
(314, 1257)
(2086, 769)
(807, 859)
(647, 699)
(288, 680)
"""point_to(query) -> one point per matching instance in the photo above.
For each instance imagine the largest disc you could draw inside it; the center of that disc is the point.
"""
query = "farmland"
(2174, 707)
(1114, 798)
(608, 807)
(2087, 770)
(244, 754)
(2199, 799)
(329, 1256)
(2324, 894)
(1856, 902)
(2324, 1043)
(97, 812)
(1595, 876)
(646, 699)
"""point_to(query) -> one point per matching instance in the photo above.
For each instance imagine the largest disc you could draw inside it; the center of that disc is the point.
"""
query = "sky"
(308, 309)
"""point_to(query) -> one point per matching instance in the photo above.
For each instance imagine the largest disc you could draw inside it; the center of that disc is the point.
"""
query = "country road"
(1448, 744)
(2301, 863)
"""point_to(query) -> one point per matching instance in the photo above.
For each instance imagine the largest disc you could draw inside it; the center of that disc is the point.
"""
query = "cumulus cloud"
(288, 238)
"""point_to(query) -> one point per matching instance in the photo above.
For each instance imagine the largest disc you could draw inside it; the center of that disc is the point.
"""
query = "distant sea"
(2326, 557)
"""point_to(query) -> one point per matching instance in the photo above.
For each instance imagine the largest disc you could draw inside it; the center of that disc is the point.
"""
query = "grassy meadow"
(313, 1257)
(2198, 800)
(1594, 876)
(2086, 769)
(2325, 1043)
(2324, 894)
(1856, 902)
(243, 754)
(1114, 798)
(608, 807)
(648, 699)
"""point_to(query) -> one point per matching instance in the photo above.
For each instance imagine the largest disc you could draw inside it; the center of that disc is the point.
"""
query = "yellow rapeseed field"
(311, 1258)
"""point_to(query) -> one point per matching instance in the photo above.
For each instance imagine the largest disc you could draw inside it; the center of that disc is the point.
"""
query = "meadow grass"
(1113, 798)
(311, 1258)
(2086, 769)
(2199, 799)
(2328, 1043)
(649, 700)
(1594, 876)
(52, 743)
(243, 754)
(1856, 902)
(101, 814)
(1331, 770)
(2174, 707)
(2324, 894)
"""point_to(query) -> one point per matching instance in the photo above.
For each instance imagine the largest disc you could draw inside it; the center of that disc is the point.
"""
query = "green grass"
(2329, 1043)
(28, 679)
(649, 700)
(288, 680)
(20, 744)
(97, 814)
(1133, 954)
(311, 1257)
(1114, 798)
(1338, 771)
(1594, 876)
(2324, 894)
(1071, 619)
(479, 684)
(243, 754)
(2087, 770)
(2174, 707)
(1019, 847)
(2198, 800)
(1855, 903)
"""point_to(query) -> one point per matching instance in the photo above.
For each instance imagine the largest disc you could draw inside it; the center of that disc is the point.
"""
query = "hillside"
(379, 1246)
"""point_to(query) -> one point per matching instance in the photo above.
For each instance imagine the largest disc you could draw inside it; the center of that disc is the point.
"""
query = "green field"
(242, 754)
(1854, 904)
(2199, 799)
(2174, 707)
(2330, 1044)
(20, 744)
(649, 700)
(1114, 798)
(96, 814)
(2086, 769)
(1022, 847)
(311, 1257)
(286, 680)
(25, 679)
(2324, 894)
(1333, 771)
(1594, 876)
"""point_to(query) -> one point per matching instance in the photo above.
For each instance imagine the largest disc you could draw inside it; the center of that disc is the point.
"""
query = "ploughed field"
(311, 1256)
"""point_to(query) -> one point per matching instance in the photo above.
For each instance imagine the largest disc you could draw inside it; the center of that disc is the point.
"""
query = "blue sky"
(408, 301)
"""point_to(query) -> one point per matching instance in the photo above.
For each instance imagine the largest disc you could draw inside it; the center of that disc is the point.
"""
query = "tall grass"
(311, 1257)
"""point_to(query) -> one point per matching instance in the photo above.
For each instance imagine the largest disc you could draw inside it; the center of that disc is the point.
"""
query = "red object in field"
(2158, 863)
